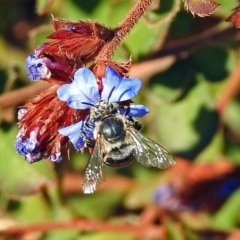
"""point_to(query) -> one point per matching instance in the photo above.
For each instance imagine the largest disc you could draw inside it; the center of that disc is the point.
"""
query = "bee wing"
(150, 153)
(93, 173)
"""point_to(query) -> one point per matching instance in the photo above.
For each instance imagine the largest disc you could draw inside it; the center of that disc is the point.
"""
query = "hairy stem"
(123, 29)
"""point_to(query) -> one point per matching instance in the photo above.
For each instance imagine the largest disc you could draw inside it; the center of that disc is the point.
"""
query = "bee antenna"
(90, 104)
(110, 94)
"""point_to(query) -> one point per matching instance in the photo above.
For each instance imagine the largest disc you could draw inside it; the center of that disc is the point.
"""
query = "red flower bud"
(75, 43)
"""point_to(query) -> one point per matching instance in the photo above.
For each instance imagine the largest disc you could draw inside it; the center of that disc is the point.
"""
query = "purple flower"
(56, 157)
(37, 68)
(21, 113)
(43, 68)
(84, 93)
(166, 198)
(27, 146)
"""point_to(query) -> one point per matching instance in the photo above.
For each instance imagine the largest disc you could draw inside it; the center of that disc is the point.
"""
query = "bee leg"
(89, 125)
(136, 124)
(88, 142)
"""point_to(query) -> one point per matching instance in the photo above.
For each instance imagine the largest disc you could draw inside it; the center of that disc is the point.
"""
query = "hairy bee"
(117, 143)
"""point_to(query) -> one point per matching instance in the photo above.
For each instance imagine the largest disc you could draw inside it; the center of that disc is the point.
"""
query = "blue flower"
(74, 133)
(37, 68)
(165, 197)
(83, 93)
(27, 146)
(56, 157)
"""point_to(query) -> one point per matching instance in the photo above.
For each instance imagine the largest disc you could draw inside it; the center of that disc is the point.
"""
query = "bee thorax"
(112, 129)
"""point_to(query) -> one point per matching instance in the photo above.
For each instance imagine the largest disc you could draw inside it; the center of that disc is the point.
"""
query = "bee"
(117, 143)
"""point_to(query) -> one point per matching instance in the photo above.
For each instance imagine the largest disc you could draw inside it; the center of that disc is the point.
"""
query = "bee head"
(102, 109)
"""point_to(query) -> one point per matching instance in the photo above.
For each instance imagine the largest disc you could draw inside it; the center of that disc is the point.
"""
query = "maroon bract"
(201, 8)
(75, 43)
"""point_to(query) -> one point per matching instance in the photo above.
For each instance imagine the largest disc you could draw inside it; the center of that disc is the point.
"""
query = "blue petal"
(36, 68)
(33, 157)
(89, 131)
(56, 157)
(138, 110)
(21, 112)
(165, 190)
(73, 132)
(117, 89)
(24, 146)
(27, 145)
(84, 88)
(164, 197)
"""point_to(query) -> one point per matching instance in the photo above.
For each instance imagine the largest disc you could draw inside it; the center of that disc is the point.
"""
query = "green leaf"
(141, 196)
(32, 209)
(227, 217)
(96, 206)
(226, 8)
(173, 82)
(232, 150)
(17, 177)
(231, 116)
(212, 62)
(108, 236)
(147, 181)
(61, 234)
(149, 34)
(199, 221)
(10, 55)
(187, 126)
(214, 151)
(174, 230)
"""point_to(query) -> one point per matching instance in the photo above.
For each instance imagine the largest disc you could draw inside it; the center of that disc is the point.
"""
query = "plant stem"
(123, 29)
(146, 231)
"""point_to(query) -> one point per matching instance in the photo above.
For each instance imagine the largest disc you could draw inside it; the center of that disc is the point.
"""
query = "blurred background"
(190, 68)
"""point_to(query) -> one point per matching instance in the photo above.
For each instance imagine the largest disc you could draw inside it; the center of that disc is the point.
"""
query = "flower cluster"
(79, 96)
(83, 92)
(61, 113)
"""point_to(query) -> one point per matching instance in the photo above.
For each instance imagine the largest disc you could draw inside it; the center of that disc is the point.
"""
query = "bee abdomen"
(120, 157)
